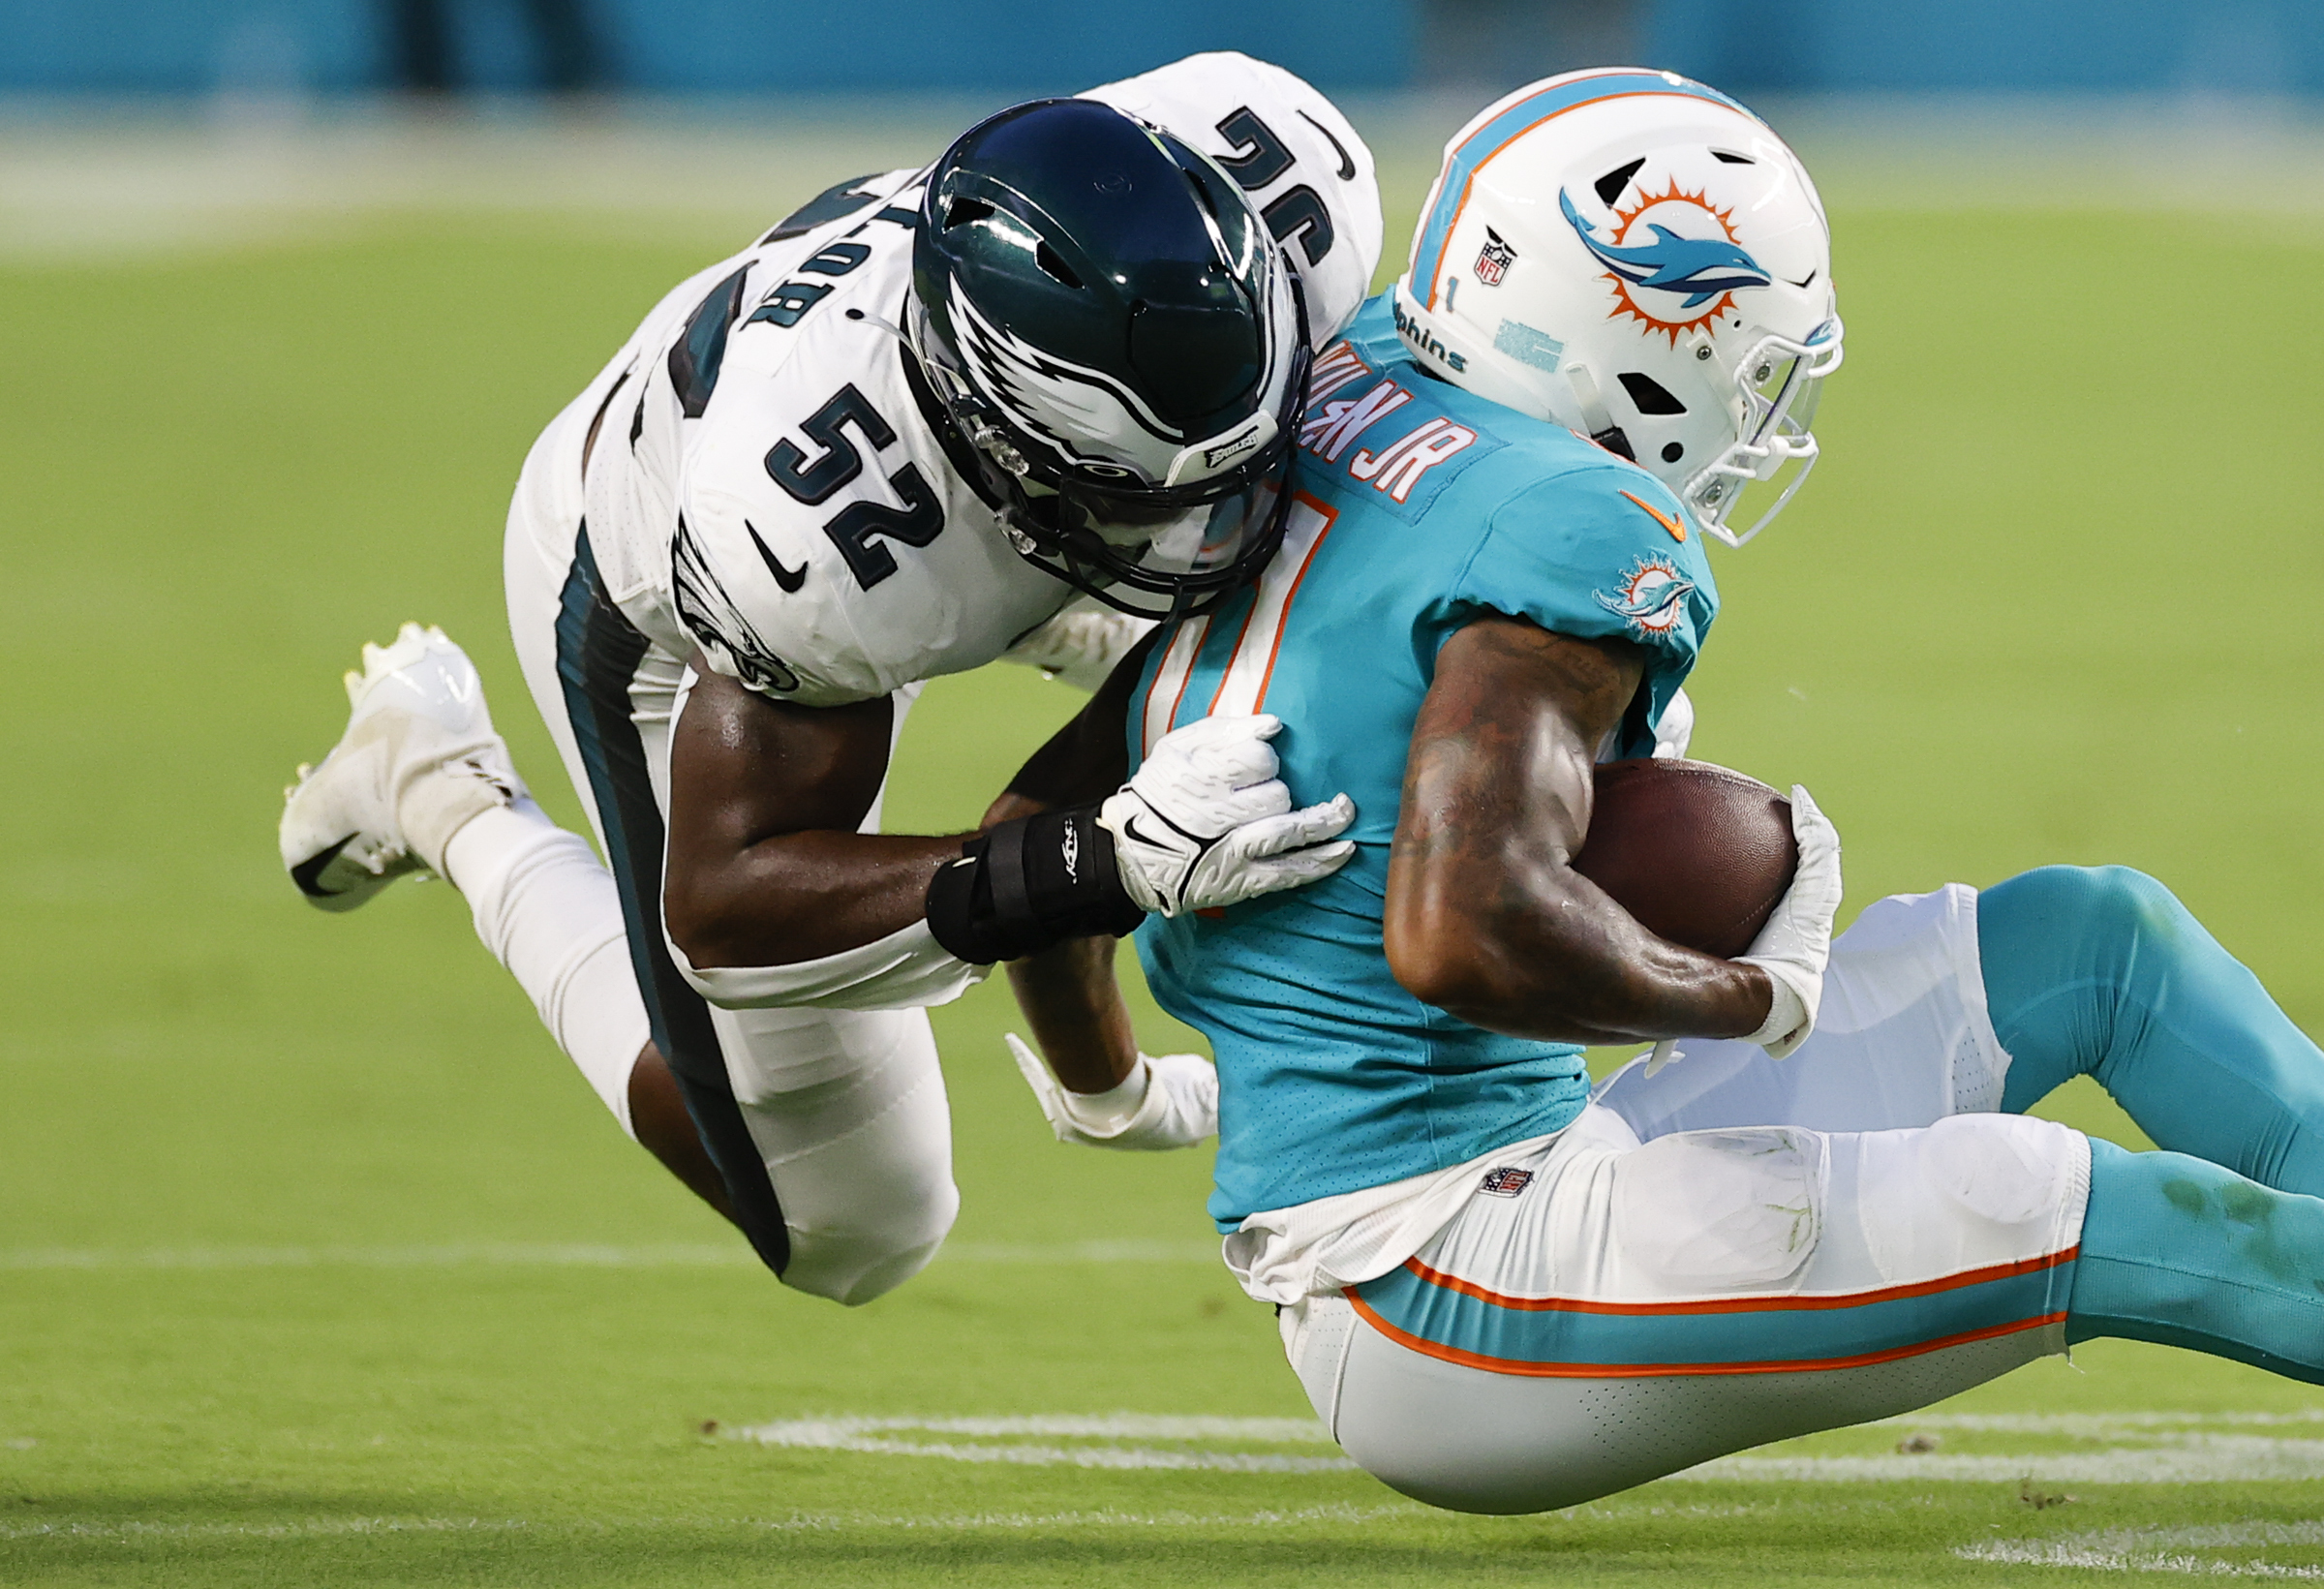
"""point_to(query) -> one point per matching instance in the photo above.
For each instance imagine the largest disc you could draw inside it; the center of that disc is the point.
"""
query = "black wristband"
(1028, 885)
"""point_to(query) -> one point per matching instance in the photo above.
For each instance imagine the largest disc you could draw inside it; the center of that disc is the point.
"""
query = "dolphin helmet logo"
(1698, 270)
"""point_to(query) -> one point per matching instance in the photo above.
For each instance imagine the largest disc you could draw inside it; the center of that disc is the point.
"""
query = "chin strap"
(1028, 885)
(1595, 414)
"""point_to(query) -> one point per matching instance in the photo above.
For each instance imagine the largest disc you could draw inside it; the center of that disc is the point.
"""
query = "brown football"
(1697, 853)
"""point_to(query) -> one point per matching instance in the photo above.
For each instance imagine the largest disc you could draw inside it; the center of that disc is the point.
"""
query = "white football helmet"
(1638, 257)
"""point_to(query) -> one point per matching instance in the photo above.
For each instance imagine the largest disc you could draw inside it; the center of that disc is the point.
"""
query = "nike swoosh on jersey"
(1676, 527)
(790, 579)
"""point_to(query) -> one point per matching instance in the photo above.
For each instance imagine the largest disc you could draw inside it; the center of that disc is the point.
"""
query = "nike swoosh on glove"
(1796, 943)
(1205, 821)
(1171, 1100)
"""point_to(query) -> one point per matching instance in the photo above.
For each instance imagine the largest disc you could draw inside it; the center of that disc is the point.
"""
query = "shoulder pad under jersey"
(1304, 167)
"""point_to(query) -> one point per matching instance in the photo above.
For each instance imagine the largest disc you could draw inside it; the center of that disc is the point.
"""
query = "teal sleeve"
(1600, 553)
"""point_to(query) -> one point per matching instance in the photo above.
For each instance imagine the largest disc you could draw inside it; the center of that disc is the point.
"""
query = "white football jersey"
(765, 483)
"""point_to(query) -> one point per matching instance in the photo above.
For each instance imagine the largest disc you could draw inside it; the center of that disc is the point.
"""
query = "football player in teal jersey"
(1501, 1292)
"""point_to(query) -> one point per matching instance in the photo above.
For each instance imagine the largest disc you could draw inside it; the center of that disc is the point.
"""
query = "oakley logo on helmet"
(1701, 270)
(1233, 447)
(1492, 262)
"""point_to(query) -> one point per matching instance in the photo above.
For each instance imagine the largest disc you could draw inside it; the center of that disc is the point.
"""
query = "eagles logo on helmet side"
(1122, 345)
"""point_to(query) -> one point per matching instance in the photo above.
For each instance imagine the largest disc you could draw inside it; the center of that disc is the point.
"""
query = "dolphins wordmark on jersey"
(768, 480)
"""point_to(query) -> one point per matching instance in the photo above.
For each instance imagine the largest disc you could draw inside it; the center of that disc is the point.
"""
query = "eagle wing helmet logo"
(1703, 271)
(1066, 405)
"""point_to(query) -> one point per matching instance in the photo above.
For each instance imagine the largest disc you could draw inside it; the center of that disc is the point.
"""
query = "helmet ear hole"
(1609, 186)
(1650, 395)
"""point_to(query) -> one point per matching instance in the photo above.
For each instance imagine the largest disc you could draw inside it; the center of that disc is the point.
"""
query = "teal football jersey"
(1417, 509)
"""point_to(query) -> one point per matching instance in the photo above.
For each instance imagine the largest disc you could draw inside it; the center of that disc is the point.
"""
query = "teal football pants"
(2217, 1244)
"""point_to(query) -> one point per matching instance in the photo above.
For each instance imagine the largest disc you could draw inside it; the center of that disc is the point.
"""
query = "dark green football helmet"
(1121, 346)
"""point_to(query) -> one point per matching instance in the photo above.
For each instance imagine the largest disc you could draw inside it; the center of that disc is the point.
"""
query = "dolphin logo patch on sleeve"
(1651, 599)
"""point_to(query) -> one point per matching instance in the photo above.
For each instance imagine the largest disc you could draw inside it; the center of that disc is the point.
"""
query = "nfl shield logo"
(1506, 1182)
(1492, 263)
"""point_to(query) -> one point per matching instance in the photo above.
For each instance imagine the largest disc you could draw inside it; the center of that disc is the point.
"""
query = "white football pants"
(830, 1127)
(1732, 1251)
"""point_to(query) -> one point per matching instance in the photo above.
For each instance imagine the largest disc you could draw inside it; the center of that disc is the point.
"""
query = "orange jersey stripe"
(1744, 1305)
(1659, 1370)
(1330, 516)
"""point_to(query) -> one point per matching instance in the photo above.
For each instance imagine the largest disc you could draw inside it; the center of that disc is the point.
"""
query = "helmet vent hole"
(1672, 452)
(1649, 394)
(964, 210)
(1728, 157)
(1201, 197)
(1609, 186)
(1047, 259)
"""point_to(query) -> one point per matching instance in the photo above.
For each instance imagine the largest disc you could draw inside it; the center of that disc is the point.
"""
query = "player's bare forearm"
(1487, 917)
(1069, 994)
(765, 865)
(1073, 1002)
(1085, 760)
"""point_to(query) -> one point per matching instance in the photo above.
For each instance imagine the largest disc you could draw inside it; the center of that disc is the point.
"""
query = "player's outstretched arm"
(1486, 918)
(1097, 1089)
(1068, 993)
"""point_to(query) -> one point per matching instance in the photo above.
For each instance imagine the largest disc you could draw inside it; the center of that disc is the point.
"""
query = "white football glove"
(1676, 728)
(1205, 821)
(1796, 943)
(1171, 1100)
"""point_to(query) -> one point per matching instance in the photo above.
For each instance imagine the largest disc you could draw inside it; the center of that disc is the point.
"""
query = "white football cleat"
(417, 761)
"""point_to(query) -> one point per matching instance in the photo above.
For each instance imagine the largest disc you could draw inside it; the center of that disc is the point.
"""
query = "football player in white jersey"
(1027, 399)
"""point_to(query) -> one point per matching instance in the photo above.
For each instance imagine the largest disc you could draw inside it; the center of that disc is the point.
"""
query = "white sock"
(549, 911)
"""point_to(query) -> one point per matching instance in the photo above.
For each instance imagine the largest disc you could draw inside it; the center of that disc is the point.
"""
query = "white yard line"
(313, 1528)
(1305, 1431)
(568, 1255)
(798, 1523)
(481, 1254)
(2222, 1459)
(2139, 1447)
(880, 1436)
(2093, 1426)
(2160, 1551)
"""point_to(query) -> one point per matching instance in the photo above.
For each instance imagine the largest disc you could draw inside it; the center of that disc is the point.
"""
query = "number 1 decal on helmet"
(1637, 256)
(1117, 348)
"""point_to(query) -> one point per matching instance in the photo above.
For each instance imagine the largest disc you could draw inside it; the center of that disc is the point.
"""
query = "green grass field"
(319, 1266)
